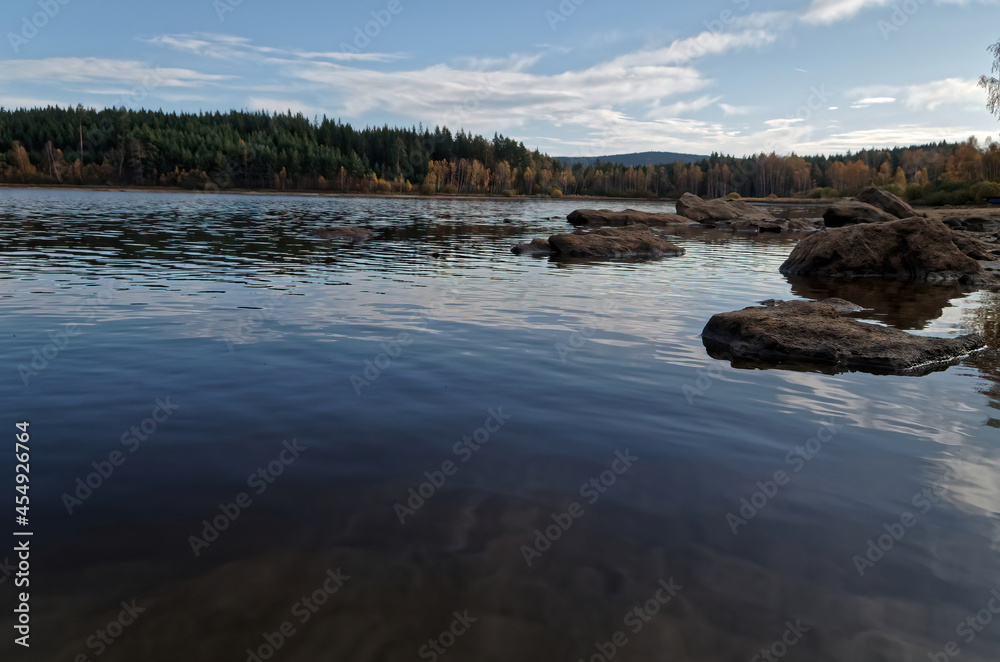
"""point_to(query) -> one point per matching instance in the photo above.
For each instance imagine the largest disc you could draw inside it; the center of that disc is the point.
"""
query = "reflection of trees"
(902, 304)
(985, 319)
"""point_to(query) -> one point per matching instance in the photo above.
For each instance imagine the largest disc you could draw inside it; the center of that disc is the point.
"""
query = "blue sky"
(570, 77)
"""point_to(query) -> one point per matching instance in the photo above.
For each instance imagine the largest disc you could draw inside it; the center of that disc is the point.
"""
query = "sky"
(569, 77)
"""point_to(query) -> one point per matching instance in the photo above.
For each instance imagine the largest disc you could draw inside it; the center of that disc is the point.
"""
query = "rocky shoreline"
(875, 238)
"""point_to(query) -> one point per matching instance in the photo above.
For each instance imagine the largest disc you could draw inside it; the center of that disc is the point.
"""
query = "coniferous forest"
(284, 152)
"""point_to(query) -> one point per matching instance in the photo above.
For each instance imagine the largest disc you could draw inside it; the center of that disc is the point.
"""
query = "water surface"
(379, 358)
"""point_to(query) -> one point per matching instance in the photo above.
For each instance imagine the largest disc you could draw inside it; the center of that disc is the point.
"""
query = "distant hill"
(638, 159)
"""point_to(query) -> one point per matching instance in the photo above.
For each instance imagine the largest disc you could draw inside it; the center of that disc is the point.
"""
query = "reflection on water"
(381, 359)
(902, 304)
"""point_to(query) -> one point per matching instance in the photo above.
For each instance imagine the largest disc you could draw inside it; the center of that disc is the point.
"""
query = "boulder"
(972, 246)
(345, 233)
(809, 333)
(853, 212)
(606, 217)
(535, 247)
(887, 202)
(971, 223)
(907, 249)
(633, 241)
(708, 211)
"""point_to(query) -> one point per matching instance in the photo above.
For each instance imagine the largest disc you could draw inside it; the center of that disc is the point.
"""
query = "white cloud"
(92, 69)
(904, 134)
(957, 91)
(872, 101)
(831, 11)
(229, 47)
(730, 111)
(682, 107)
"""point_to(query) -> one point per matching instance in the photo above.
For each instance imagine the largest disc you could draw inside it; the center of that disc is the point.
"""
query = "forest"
(244, 150)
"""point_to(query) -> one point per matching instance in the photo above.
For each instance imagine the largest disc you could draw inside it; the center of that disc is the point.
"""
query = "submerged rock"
(709, 211)
(907, 249)
(887, 202)
(535, 247)
(633, 241)
(807, 332)
(606, 217)
(352, 234)
(854, 212)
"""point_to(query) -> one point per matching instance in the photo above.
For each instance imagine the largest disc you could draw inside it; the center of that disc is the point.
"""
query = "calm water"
(380, 359)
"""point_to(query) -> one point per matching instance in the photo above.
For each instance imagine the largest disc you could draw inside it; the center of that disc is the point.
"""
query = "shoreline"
(808, 202)
(310, 194)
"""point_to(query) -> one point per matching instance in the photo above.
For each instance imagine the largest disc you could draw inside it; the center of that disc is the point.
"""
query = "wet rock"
(807, 332)
(352, 234)
(708, 211)
(606, 217)
(535, 247)
(972, 246)
(971, 223)
(633, 241)
(887, 202)
(907, 249)
(854, 212)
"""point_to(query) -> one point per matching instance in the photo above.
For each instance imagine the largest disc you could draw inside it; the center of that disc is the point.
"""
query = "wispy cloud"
(230, 47)
(101, 70)
(872, 101)
(831, 11)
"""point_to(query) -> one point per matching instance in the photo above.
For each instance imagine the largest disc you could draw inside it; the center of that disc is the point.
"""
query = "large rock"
(908, 249)
(807, 332)
(633, 241)
(854, 212)
(606, 217)
(887, 202)
(709, 211)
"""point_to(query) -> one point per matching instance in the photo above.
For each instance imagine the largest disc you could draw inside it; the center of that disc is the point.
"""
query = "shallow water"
(226, 308)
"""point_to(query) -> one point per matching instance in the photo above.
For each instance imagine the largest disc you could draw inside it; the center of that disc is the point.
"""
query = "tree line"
(290, 152)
